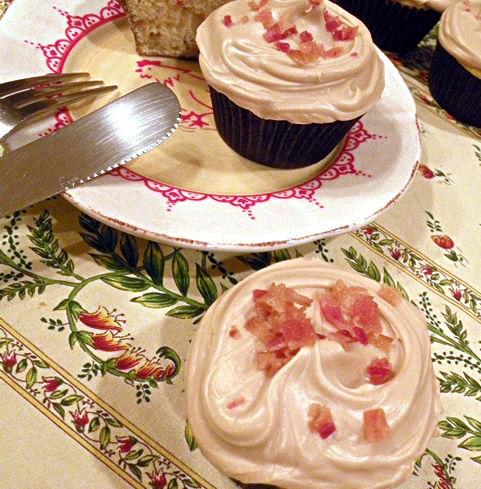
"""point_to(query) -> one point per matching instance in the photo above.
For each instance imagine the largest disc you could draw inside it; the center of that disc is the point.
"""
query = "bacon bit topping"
(306, 36)
(280, 323)
(279, 31)
(253, 5)
(354, 54)
(265, 18)
(300, 57)
(234, 331)
(379, 371)
(244, 19)
(380, 341)
(375, 426)
(227, 20)
(390, 295)
(179, 3)
(236, 402)
(355, 316)
(285, 47)
(338, 30)
(321, 421)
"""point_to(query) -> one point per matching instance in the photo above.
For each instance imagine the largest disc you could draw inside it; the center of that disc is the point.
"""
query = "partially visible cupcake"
(288, 78)
(397, 25)
(455, 72)
(307, 376)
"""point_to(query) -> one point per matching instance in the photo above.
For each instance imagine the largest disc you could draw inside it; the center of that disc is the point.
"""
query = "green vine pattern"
(429, 273)
(137, 269)
(95, 425)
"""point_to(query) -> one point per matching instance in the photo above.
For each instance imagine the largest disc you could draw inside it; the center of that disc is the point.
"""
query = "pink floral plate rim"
(77, 25)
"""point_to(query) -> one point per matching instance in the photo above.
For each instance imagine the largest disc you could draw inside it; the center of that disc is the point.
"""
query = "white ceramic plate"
(194, 191)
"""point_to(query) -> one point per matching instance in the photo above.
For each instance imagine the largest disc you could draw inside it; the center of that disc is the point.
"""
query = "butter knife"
(91, 146)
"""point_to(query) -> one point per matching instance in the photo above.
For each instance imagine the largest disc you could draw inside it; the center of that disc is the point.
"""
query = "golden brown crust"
(167, 27)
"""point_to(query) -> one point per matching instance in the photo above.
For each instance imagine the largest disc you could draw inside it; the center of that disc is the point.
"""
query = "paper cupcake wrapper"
(394, 27)
(454, 88)
(278, 144)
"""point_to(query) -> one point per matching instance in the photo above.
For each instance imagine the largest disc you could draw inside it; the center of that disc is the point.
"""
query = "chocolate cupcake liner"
(394, 27)
(454, 88)
(278, 144)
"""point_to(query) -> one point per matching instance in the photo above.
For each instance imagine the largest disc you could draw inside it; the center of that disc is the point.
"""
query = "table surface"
(91, 370)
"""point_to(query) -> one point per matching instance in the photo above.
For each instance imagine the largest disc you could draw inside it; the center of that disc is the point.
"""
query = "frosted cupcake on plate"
(288, 78)
(306, 376)
(455, 72)
(397, 25)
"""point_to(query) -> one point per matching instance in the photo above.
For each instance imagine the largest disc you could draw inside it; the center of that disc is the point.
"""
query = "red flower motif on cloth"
(108, 342)
(9, 360)
(457, 294)
(157, 481)
(80, 420)
(443, 241)
(51, 384)
(426, 172)
(101, 319)
(151, 369)
(125, 443)
(395, 253)
(128, 361)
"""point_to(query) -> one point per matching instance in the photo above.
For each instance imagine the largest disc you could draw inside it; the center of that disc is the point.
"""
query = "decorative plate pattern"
(193, 191)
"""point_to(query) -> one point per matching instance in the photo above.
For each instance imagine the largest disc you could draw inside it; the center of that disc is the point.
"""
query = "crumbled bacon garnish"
(179, 3)
(234, 331)
(338, 30)
(227, 20)
(253, 5)
(379, 371)
(301, 57)
(320, 420)
(354, 314)
(244, 19)
(279, 31)
(390, 295)
(380, 341)
(265, 17)
(375, 426)
(236, 402)
(280, 323)
(305, 36)
(282, 46)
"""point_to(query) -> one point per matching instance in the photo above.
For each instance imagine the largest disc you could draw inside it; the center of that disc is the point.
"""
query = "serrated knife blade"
(90, 146)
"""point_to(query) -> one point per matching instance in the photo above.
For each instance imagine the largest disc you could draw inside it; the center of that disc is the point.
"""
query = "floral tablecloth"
(95, 324)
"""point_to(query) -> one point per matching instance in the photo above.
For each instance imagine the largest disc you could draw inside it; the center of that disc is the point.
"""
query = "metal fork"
(26, 99)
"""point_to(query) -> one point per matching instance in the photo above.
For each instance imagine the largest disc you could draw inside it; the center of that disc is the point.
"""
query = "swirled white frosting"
(439, 5)
(460, 32)
(266, 439)
(238, 62)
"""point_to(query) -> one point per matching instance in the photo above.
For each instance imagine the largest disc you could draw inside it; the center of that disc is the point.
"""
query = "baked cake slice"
(167, 27)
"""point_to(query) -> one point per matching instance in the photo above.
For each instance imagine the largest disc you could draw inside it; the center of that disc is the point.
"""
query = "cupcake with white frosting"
(397, 25)
(288, 78)
(455, 72)
(306, 376)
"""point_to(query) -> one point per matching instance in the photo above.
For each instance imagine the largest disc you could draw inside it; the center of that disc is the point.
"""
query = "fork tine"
(25, 83)
(27, 97)
(40, 108)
